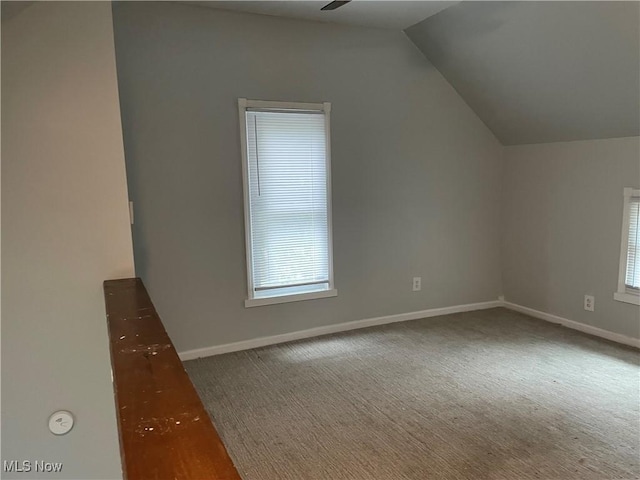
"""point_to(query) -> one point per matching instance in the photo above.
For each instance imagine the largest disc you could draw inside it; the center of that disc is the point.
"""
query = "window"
(287, 201)
(629, 276)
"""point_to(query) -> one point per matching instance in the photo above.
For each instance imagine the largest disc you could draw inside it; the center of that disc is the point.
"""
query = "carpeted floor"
(491, 394)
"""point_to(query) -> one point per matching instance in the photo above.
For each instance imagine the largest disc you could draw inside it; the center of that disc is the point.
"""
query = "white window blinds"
(632, 276)
(287, 194)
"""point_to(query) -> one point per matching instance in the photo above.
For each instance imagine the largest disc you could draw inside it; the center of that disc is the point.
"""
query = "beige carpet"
(482, 395)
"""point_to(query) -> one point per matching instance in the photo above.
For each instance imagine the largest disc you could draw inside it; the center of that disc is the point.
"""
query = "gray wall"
(562, 227)
(416, 175)
(65, 229)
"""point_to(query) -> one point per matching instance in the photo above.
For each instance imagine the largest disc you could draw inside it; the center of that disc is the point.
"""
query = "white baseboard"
(598, 332)
(328, 329)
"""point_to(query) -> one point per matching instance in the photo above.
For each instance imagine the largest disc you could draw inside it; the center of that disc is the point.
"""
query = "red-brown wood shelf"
(165, 431)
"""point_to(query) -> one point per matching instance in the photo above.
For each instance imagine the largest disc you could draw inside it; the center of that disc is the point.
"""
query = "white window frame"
(624, 294)
(243, 105)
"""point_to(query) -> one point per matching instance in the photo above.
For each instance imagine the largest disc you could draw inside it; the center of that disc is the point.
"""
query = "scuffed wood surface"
(165, 432)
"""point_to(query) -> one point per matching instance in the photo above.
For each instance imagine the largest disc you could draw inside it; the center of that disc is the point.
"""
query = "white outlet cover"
(589, 303)
(60, 422)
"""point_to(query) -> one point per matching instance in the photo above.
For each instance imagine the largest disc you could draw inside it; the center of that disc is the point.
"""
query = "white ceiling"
(396, 14)
(539, 72)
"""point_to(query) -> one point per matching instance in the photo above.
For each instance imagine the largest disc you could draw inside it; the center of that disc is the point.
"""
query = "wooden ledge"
(165, 431)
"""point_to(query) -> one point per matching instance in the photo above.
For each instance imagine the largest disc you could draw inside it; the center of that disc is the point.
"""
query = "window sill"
(259, 302)
(627, 298)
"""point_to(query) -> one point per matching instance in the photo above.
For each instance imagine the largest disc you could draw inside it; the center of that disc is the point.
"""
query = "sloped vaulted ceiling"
(541, 71)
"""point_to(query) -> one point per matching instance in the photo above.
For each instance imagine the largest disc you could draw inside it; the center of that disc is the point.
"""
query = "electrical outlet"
(417, 284)
(589, 303)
